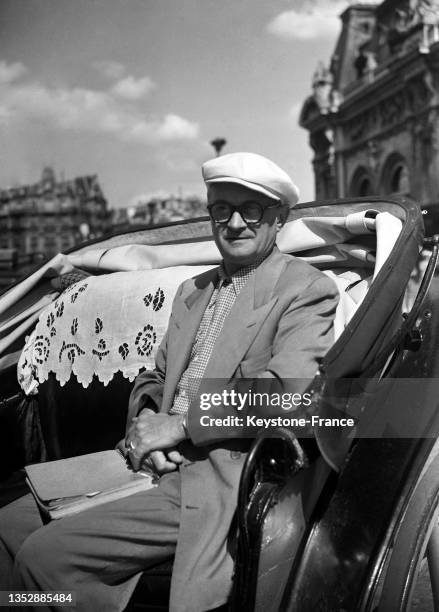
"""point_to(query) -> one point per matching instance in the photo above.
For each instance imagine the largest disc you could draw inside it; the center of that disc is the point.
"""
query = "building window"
(399, 181)
(50, 243)
(365, 187)
(395, 177)
(361, 184)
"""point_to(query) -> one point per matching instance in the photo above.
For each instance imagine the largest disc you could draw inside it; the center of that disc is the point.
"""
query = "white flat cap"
(254, 172)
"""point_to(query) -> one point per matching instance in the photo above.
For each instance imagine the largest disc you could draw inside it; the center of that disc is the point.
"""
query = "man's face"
(241, 243)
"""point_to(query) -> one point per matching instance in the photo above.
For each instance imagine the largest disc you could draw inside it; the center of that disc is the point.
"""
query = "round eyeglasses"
(251, 212)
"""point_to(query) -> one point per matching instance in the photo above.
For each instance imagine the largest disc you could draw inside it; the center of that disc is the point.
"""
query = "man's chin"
(238, 249)
(238, 260)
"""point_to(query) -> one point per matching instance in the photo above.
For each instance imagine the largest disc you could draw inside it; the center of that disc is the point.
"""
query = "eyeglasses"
(251, 212)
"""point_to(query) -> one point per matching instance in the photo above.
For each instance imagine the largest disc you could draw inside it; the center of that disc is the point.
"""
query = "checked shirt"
(219, 306)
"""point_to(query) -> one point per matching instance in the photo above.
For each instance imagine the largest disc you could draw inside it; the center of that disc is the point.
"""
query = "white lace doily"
(101, 325)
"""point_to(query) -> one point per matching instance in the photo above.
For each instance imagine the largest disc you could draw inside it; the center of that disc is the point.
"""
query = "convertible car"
(76, 332)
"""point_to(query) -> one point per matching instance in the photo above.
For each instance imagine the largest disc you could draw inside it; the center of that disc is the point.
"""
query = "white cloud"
(109, 69)
(87, 110)
(131, 88)
(171, 127)
(126, 86)
(11, 72)
(175, 127)
(312, 20)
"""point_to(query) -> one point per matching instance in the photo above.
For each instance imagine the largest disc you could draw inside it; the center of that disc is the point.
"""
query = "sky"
(135, 90)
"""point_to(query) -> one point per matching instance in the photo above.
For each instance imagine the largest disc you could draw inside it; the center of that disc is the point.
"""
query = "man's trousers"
(99, 553)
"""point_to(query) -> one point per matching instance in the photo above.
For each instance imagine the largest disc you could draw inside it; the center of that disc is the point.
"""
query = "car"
(372, 510)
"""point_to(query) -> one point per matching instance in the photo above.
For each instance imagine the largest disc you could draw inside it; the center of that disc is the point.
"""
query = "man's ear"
(283, 216)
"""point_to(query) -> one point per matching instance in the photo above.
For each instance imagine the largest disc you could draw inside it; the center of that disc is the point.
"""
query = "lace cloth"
(101, 325)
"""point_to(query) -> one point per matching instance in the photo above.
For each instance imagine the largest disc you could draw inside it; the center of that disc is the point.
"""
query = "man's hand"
(160, 462)
(163, 462)
(154, 432)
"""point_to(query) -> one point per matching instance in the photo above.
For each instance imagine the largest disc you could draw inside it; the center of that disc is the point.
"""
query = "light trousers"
(99, 554)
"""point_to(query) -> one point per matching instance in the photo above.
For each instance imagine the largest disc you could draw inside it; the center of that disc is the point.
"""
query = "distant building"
(51, 216)
(373, 117)
(157, 210)
(167, 209)
(37, 221)
(120, 219)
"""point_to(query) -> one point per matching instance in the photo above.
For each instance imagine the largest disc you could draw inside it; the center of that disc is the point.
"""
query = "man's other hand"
(153, 432)
(162, 462)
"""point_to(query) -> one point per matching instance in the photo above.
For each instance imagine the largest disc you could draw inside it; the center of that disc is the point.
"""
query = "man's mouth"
(235, 238)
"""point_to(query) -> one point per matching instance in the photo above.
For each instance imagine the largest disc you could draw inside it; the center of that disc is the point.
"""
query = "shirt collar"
(239, 277)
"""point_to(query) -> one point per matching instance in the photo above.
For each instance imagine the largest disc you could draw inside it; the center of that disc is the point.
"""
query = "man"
(260, 315)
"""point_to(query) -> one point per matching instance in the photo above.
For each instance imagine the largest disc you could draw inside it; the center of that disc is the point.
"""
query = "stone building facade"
(39, 220)
(51, 216)
(373, 116)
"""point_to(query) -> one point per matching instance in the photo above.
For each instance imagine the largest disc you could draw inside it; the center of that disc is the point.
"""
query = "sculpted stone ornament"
(374, 150)
(322, 87)
(415, 97)
(404, 19)
(366, 64)
(428, 11)
(326, 97)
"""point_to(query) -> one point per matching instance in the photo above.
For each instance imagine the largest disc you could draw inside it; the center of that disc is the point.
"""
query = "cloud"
(125, 86)
(318, 19)
(109, 69)
(11, 72)
(171, 127)
(130, 88)
(87, 110)
(175, 127)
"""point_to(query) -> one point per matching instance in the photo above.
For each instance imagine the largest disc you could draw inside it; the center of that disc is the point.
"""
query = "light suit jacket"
(281, 325)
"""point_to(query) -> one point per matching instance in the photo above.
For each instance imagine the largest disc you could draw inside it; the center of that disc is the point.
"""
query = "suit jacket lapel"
(250, 310)
(186, 321)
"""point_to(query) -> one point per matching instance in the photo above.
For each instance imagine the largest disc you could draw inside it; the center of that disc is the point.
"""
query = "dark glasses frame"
(240, 209)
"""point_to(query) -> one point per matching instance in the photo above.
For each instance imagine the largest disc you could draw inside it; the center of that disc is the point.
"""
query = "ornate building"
(37, 221)
(51, 216)
(373, 117)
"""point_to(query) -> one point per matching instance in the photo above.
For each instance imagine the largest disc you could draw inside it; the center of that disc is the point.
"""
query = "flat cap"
(254, 172)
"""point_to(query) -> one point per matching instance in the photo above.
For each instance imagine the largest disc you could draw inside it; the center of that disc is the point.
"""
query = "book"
(68, 486)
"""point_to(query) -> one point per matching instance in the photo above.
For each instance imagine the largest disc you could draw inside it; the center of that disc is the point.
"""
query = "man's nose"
(236, 221)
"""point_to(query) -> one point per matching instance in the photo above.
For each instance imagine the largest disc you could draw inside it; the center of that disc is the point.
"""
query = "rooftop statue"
(322, 87)
(428, 11)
